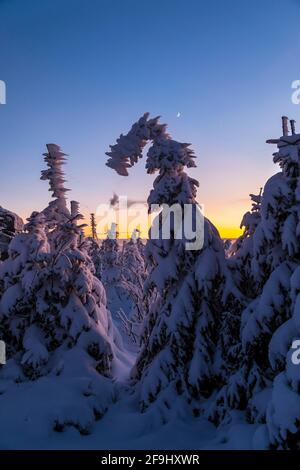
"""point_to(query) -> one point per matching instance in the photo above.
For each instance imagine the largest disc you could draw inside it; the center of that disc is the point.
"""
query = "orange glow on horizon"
(226, 221)
(225, 232)
(229, 232)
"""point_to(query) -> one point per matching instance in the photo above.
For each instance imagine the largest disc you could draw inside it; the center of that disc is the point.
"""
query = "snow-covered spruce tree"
(267, 328)
(10, 225)
(93, 227)
(93, 248)
(136, 237)
(54, 317)
(140, 244)
(133, 263)
(111, 274)
(57, 210)
(133, 276)
(283, 413)
(19, 274)
(276, 254)
(179, 355)
(111, 257)
(241, 252)
(240, 256)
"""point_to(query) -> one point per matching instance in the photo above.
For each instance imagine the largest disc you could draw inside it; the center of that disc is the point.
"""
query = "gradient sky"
(78, 73)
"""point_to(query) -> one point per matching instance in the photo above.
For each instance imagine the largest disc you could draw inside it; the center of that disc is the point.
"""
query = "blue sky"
(78, 73)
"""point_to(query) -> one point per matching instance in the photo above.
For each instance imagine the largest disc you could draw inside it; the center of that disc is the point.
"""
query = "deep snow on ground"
(27, 409)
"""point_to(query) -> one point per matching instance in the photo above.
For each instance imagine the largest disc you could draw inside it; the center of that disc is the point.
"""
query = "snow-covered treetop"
(251, 219)
(135, 235)
(162, 155)
(34, 222)
(54, 158)
(128, 149)
(167, 156)
(256, 198)
(288, 155)
(112, 233)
